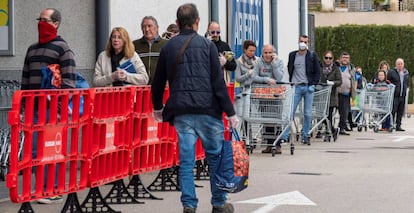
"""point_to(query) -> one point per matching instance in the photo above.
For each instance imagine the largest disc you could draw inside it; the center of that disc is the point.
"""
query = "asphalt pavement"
(363, 172)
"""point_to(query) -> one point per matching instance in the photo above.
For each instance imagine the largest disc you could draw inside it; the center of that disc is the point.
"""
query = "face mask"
(47, 32)
(303, 46)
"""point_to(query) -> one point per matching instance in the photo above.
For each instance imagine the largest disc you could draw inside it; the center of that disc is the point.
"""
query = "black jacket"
(221, 47)
(199, 86)
(313, 69)
(394, 77)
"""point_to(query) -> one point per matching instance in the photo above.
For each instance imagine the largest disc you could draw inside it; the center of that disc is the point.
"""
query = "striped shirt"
(56, 51)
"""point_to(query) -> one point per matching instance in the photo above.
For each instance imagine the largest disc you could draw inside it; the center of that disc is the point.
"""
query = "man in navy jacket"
(304, 72)
(198, 97)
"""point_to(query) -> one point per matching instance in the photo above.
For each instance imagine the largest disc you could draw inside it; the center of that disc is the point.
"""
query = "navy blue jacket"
(313, 69)
(199, 86)
(394, 77)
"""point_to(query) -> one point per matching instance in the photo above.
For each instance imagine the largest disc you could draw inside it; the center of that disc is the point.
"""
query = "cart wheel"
(359, 128)
(390, 129)
(408, 115)
(273, 152)
(375, 129)
(292, 150)
(366, 129)
(2, 174)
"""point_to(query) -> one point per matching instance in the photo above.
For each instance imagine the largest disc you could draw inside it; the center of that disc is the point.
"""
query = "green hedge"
(368, 45)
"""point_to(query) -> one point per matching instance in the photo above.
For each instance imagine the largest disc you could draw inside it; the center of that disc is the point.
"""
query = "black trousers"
(398, 108)
(344, 107)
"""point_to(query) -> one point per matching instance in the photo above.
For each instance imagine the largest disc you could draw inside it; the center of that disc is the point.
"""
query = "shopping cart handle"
(281, 82)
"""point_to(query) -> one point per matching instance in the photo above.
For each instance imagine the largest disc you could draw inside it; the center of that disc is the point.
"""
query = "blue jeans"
(305, 92)
(210, 130)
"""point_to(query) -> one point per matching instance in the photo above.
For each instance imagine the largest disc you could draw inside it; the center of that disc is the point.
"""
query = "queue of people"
(198, 99)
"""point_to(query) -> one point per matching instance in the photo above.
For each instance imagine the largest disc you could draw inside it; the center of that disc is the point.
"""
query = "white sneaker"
(51, 200)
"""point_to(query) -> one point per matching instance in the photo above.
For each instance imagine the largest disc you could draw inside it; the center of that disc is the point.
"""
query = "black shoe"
(318, 135)
(226, 208)
(306, 141)
(342, 132)
(189, 210)
(348, 129)
(353, 125)
(267, 150)
(399, 129)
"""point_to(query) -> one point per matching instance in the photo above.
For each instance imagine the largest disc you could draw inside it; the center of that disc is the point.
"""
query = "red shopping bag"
(232, 174)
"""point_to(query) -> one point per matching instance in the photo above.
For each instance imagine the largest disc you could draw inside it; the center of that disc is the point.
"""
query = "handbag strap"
(235, 133)
(178, 58)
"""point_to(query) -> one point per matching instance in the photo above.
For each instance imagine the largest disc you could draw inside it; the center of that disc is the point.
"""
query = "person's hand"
(121, 74)
(222, 59)
(329, 82)
(234, 121)
(157, 114)
(250, 72)
(271, 81)
(274, 57)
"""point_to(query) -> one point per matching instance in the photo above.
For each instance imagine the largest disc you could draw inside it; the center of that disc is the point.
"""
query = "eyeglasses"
(328, 58)
(215, 32)
(44, 20)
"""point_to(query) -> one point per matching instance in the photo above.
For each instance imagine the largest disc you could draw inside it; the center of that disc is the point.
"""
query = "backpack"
(52, 79)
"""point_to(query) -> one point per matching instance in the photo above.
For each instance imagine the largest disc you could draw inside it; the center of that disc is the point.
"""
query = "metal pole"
(214, 10)
(101, 25)
(303, 14)
(274, 24)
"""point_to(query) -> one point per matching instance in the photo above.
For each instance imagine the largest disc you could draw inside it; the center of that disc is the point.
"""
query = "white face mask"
(303, 46)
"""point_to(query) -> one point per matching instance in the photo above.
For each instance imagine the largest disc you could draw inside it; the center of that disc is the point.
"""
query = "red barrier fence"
(51, 143)
(112, 135)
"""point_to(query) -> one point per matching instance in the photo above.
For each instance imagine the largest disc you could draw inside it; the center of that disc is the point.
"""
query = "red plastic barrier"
(153, 147)
(111, 134)
(57, 139)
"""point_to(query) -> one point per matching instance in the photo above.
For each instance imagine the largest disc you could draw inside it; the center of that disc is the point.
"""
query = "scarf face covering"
(327, 69)
(47, 32)
(248, 62)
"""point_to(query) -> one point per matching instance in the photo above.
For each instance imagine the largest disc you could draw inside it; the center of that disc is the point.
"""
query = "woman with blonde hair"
(119, 64)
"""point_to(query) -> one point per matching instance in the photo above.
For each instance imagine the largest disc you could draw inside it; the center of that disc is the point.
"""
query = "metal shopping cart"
(268, 105)
(378, 105)
(7, 89)
(357, 105)
(320, 110)
(407, 114)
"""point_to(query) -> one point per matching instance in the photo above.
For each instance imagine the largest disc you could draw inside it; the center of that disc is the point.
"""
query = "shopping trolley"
(320, 110)
(7, 89)
(357, 106)
(268, 105)
(378, 104)
(407, 114)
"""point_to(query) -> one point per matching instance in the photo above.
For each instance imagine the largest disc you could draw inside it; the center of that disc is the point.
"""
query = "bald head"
(399, 64)
(213, 30)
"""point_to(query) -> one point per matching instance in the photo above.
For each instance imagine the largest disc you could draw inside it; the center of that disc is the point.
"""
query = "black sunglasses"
(330, 58)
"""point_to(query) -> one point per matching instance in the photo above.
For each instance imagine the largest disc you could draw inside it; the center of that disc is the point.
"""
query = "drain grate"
(337, 151)
(304, 173)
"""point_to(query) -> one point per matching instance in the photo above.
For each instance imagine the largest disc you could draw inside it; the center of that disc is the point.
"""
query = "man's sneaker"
(189, 210)
(278, 150)
(226, 208)
(51, 200)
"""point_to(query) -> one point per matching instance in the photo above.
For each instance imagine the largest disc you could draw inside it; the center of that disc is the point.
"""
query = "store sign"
(247, 23)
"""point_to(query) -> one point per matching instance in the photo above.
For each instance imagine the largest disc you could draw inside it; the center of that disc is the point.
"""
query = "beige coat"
(103, 71)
